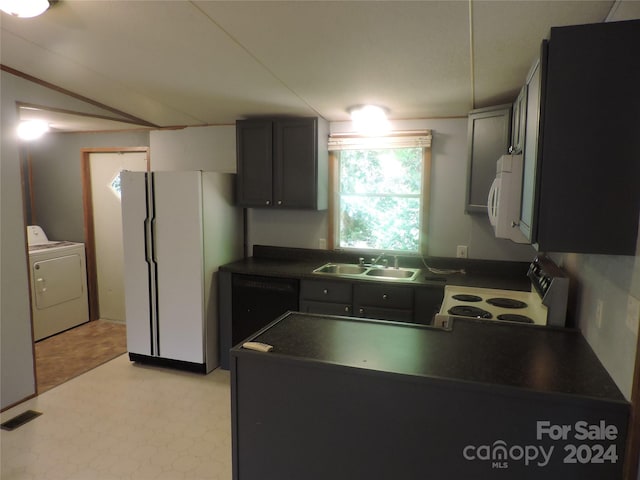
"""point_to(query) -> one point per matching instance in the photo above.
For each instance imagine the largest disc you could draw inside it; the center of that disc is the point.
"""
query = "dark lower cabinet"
(377, 300)
(326, 297)
(383, 302)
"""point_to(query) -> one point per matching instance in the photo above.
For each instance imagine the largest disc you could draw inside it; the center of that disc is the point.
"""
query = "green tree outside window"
(380, 199)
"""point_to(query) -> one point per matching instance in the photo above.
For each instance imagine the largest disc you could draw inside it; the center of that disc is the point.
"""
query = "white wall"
(448, 226)
(610, 279)
(208, 148)
(16, 358)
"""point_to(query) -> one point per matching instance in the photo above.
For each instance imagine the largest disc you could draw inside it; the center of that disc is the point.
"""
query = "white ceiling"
(174, 63)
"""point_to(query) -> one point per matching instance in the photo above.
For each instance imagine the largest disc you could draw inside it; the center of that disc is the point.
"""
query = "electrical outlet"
(599, 307)
(633, 314)
(322, 243)
(461, 251)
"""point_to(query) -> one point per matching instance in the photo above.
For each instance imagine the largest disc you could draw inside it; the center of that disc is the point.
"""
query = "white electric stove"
(544, 304)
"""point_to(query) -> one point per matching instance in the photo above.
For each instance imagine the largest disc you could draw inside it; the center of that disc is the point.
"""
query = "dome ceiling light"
(370, 119)
(32, 129)
(25, 8)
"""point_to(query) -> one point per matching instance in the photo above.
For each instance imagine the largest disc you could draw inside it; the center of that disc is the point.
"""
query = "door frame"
(89, 231)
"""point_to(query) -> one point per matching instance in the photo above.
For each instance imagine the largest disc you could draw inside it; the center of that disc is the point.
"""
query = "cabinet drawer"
(324, 291)
(393, 314)
(384, 296)
(325, 308)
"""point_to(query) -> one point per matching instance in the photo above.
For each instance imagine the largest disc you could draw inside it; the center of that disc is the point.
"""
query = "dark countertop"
(473, 352)
(299, 263)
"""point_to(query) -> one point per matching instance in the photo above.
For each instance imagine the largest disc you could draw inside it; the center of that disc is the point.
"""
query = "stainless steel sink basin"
(404, 273)
(367, 271)
(341, 269)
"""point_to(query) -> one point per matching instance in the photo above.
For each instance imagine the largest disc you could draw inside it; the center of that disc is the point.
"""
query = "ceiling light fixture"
(24, 8)
(32, 129)
(370, 119)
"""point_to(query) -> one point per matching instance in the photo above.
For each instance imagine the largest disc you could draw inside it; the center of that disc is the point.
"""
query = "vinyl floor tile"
(123, 420)
(78, 350)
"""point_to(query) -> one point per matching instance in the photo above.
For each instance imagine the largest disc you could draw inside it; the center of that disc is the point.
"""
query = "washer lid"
(36, 235)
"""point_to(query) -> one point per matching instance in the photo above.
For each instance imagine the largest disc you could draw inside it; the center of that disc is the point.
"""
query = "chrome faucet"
(374, 261)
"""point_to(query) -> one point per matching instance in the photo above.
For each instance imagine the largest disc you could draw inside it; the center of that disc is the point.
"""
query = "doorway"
(104, 171)
(103, 226)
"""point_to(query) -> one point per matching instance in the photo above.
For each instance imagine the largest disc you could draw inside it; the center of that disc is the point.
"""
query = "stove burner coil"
(469, 311)
(513, 317)
(506, 303)
(466, 297)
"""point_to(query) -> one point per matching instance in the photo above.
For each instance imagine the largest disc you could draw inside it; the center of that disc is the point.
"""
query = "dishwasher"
(256, 301)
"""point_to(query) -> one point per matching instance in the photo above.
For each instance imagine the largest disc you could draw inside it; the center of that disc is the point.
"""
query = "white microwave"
(505, 197)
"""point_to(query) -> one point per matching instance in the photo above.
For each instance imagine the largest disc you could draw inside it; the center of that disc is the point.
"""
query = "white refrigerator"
(178, 227)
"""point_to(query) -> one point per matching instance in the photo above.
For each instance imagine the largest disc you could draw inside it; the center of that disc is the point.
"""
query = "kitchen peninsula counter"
(340, 397)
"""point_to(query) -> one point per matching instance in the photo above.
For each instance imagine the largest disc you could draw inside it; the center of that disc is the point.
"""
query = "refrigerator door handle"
(149, 254)
(154, 250)
(147, 245)
(151, 259)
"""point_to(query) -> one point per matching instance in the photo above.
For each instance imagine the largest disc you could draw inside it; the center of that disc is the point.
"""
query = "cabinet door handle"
(361, 310)
(385, 296)
(268, 202)
(347, 309)
(325, 291)
(279, 202)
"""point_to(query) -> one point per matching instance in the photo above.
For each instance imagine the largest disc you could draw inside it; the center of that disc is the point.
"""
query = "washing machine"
(58, 276)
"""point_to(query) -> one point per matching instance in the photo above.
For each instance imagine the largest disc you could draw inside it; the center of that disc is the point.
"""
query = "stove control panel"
(552, 284)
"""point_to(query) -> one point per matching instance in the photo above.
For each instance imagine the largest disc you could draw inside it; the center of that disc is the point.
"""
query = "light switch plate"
(633, 314)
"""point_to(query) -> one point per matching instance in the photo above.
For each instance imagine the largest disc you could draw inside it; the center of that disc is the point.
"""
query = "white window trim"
(396, 139)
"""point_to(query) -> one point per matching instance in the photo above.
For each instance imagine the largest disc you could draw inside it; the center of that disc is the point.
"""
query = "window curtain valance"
(397, 139)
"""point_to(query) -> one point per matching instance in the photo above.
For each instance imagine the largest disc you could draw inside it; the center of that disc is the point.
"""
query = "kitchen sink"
(363, 271)
(341, 269)
(404, 273)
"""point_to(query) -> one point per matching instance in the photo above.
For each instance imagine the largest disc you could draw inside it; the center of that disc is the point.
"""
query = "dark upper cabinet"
(586, 195)
(254, 144)
(518, 122)
(282, 163)
(530, 150)
(489, 137)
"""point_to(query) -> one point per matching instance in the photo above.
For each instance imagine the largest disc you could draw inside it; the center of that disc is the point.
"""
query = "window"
(379, 189)
(116, 186)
